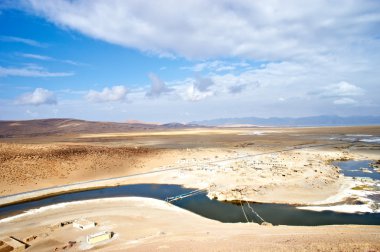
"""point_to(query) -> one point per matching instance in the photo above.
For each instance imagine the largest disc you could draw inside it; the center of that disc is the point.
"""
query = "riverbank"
(275, 182)
(291, 165)
(272, 166)
(142, 224)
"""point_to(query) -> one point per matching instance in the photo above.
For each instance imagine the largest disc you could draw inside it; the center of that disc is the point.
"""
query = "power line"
(242, 208)
(253, 211)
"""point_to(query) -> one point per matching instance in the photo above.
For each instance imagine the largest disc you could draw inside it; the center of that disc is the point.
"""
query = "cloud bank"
(256, 58)
(269, 30)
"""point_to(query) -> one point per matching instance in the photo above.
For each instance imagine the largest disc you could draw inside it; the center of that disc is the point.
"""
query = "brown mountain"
(43, 127)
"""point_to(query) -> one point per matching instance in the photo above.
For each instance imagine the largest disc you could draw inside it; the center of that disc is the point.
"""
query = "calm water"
(277, 214)
(352, 169)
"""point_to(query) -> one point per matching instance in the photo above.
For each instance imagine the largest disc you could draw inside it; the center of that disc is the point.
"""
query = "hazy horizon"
(321, 120)
(197, 60)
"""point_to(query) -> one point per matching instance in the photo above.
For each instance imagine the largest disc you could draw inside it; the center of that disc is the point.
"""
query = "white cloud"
(303, 57)
(47, 58)
(38, 97)
(157, 87)
(31, 72)
(215, 66)
(25, 41)
(72, 62)
(343, 88)
(236, 89)
(345, 101)
(31, 113)
(35, 56)
(198, 67)
(113, 94)
(193, 94)
(337, 90)
(205, 29)
(203, 84)
(197, 89)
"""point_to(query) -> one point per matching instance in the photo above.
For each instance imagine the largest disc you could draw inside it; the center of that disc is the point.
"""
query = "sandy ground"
(261, 165)
(296, 177)
(150, 225)
(26, 167)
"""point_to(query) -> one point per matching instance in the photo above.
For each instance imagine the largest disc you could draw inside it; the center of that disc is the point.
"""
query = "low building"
(12, 244)
(83, 224)
(98, 237)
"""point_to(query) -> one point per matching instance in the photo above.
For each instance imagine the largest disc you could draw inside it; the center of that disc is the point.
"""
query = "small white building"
(83, 224)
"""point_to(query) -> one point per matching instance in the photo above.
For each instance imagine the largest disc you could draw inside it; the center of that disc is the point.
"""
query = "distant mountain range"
(289, 122)
(42, 127)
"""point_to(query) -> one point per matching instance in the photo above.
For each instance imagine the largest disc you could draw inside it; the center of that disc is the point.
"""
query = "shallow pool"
(353, 168)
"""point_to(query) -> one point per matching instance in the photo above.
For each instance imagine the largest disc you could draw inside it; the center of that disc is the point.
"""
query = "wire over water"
(253, 211)
(242, 208)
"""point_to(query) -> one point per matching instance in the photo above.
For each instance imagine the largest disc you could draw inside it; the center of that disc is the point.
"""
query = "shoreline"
(281, 166)
(138, 224)
(345, 192)
(296, 173)
(161, 177)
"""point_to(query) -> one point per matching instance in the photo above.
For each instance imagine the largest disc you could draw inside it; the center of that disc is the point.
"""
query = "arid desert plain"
(240, 166)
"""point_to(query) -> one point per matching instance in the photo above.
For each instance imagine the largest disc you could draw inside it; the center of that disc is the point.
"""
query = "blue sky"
(167, 61)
